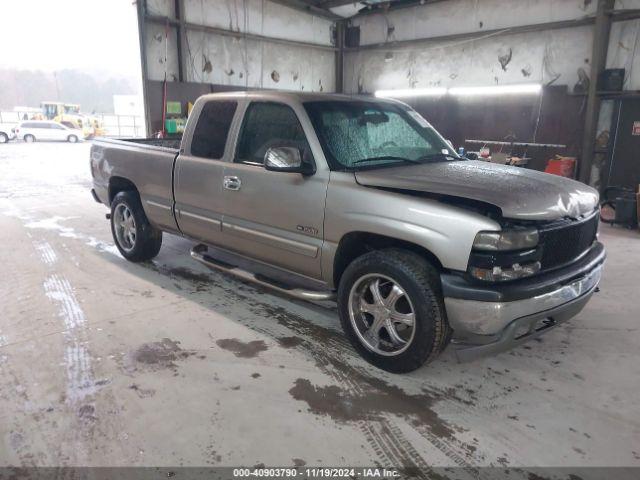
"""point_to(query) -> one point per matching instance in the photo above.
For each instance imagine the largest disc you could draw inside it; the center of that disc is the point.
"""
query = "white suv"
(33, 130)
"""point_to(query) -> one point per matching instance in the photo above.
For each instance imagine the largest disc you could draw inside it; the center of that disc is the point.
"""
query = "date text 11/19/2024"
(311, 472)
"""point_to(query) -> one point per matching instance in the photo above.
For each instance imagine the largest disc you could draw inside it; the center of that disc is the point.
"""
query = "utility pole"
(601, 31)
(55, 76)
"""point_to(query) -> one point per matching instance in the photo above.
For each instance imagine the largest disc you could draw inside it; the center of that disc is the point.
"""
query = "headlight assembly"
(506, 240)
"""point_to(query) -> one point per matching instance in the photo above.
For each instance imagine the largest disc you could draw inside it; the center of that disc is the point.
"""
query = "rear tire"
(136, 239)
(409, 298)
(29, 138)
(4, 138)
(72, 139)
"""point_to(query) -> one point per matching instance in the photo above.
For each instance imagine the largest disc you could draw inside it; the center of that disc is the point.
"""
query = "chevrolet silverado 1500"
(360, 200)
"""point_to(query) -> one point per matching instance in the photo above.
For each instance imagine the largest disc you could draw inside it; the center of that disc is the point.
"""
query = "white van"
(33, 130)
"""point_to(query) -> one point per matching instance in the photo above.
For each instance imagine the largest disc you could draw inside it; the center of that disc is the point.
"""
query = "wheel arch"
(120, 184)
(354, 244)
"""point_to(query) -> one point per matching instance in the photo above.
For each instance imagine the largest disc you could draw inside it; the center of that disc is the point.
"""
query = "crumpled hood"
(518, 192)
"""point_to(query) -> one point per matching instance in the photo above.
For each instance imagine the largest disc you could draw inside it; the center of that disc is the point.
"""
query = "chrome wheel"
(381, 314)
(125, 227)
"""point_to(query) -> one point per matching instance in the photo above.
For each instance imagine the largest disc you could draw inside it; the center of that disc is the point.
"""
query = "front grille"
(562, 244)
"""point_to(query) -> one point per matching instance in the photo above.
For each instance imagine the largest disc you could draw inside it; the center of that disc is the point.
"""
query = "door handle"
(232, 183)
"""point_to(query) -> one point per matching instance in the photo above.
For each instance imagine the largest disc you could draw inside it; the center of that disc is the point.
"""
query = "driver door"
(274, 217)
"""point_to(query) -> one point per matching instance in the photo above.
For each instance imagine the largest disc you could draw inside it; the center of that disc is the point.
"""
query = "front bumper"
(485, 325)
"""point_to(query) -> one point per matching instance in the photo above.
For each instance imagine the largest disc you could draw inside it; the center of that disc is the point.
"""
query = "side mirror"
(286, 159)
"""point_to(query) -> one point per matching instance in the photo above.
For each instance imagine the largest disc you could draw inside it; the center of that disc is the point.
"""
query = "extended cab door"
(274, 217)
(199, 172)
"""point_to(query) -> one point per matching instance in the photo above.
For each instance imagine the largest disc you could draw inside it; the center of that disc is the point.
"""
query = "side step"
(200, 253)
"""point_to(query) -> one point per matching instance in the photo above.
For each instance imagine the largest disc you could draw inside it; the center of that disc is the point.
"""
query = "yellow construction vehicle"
(69, 114)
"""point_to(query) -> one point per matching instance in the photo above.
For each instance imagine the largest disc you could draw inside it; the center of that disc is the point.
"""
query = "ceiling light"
(522, 89)
(411, 92)
(531, 88)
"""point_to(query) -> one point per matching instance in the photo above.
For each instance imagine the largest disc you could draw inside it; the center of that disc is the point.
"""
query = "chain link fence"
(129, 126)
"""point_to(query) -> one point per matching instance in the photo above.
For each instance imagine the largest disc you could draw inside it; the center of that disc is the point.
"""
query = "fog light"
(501, 274)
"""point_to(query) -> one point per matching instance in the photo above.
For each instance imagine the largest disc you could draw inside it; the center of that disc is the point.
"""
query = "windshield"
(362, 134)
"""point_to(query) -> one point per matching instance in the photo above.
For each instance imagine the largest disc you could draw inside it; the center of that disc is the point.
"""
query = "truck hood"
(519, 193)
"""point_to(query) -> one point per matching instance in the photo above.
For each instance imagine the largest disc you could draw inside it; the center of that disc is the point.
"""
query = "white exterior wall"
(555, 56)
(228, 60)
(466, 16)
(623, 51)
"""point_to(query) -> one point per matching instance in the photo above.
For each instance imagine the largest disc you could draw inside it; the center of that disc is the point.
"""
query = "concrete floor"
(103, 362)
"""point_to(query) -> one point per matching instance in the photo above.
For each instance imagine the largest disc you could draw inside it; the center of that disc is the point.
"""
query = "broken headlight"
(505, 255)
(503, 274)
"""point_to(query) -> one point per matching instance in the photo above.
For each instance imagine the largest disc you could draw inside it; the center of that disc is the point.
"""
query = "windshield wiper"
(437, 157)
(387, 157)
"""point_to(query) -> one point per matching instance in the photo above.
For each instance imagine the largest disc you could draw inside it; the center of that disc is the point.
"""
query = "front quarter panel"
(446, 231)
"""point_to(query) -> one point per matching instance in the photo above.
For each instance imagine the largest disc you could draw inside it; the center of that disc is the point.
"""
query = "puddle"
(371, 404)
(158, 355)
(242, 349)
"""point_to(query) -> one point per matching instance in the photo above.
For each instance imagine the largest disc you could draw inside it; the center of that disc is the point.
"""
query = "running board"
(200, 253)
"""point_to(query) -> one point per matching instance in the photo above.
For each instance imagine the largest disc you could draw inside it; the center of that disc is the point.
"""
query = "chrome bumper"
(481, 328)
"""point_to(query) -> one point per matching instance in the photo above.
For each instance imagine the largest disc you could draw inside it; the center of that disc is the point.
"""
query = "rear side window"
(269, 125)
(212, 129)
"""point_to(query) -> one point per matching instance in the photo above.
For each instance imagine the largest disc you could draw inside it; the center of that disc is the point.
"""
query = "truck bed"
(147, 164)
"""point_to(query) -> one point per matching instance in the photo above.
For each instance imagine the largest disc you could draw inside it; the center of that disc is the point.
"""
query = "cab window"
(212, 129)
(269, 125)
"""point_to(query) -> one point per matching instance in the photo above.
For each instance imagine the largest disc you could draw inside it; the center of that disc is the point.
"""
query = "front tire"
(136, 239)
(72, 139)
(29, 138)
(4, 138)
(391, 309)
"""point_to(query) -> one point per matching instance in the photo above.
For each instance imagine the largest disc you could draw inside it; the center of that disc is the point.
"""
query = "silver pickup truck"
(360, 200)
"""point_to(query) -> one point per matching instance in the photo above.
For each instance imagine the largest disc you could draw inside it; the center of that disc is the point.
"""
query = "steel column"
(601, 33)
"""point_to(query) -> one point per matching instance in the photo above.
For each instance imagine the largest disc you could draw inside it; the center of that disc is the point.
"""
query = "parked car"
(361, 200)
(6, 133)
(41, 130)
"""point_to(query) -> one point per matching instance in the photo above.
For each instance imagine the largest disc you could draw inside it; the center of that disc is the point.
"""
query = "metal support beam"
(307, 8)
(416, 42)
(141, 7)
(180, 38)
(230, 33)
(334, 3)
(339, 70)
(601, 33)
